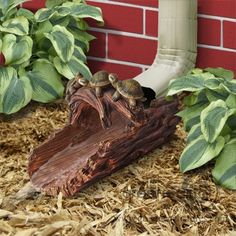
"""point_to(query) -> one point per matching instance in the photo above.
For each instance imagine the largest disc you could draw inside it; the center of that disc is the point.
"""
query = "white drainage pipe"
(177, 44)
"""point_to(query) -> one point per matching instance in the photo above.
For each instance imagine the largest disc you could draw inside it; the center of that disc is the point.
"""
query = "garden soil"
(149, 197)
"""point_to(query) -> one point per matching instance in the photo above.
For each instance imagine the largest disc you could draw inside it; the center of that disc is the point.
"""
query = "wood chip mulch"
(149, 197)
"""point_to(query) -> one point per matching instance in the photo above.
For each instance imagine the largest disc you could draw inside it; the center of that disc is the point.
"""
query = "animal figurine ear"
(177, 44)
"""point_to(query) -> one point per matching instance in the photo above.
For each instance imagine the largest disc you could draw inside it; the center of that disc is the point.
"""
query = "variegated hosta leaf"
(214, 95)
(213, 119)
(15, 92)
(54, 3)
(212, 83)
(224, 172)
(230, 86)
(62, 41)
(46, 82)
(18, 25)
(26, 13)
(16, 49)
(194, 98)
(191, 115)
(44, 14)
(188, 83)
(199, 152)
(194, 133)
(8, 5)
(79, 10)
(221, 72)
(72, 68)
(79, 53)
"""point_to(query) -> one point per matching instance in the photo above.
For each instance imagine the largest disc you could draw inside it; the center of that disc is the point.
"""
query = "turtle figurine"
(98, 81)
(72, 86)
(130, 89)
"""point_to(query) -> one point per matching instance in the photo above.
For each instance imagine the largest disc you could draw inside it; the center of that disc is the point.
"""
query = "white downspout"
(177, 44)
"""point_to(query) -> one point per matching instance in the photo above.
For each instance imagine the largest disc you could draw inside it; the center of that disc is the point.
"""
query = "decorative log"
(102, 136)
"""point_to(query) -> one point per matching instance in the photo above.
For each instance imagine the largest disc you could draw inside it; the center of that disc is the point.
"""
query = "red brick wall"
(127, 43)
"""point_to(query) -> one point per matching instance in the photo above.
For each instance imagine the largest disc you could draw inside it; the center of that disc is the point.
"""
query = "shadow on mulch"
(149, 197)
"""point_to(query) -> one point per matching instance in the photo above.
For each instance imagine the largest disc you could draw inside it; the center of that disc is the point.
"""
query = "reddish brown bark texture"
(102, 136)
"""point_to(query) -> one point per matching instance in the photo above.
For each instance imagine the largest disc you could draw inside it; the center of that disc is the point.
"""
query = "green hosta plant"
(42, 48)
(209, 117)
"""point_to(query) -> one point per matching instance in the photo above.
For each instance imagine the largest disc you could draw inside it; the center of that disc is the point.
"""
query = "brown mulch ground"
(149, 197)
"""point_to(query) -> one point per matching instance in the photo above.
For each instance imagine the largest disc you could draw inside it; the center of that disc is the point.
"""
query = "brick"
(152, 23)
(148, 3)
(124, 71)
(226, 8)
(129, 19)
(34, 5)
(131, 49)
(98, 45)
(209, 31)
(216, 58)
(229, 29)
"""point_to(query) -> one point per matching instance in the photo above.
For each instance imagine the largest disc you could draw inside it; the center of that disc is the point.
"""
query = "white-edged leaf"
(194, 133)
(80, 10)
(79, 53)
(199, 152)
(62, 41)
(16, 49)
(15, 92)
(54, 3)
(230, 86)
(26, 13)
(44, 14)
(221, 72)
(212, 83)
(191, 115)
(18, 25)
(72, 68)
(213, 119)
(188, 83)
(46, 82)
(224, 172)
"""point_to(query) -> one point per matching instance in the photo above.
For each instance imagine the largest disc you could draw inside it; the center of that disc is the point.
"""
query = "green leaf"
(214, 95)
(231, 101)
(224, 172)
(8, 5)
(191, 115)
(44, 14)
(199, 152)
(0, 45)
(79, 54)
(194, 98)
(54, 3)
(221, 72)
(62, 41)
(16, 50)
(26, 13)
(72, 68)
(18, 25)
(194, 133)
(212, 83)
(14, 93)
(213, 119)
(80, 11)
(188, 83)
(46, 82)
(230, 86)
